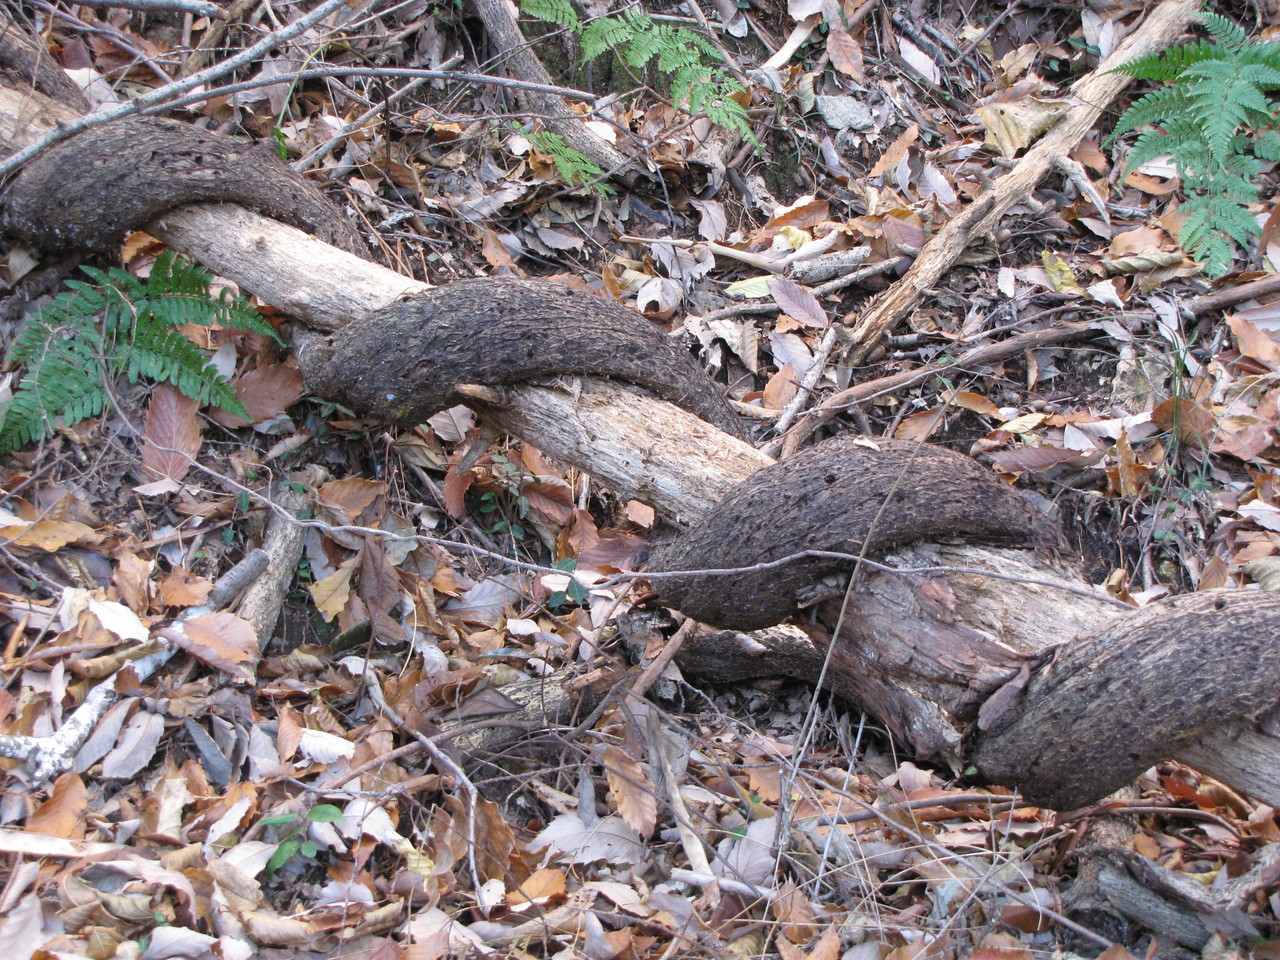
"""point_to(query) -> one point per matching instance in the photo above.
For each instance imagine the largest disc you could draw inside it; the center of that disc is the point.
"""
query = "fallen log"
(939, 655)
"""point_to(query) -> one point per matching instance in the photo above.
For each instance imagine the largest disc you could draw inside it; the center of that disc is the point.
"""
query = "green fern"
(1214, 118)
(689, 61)
(574, 167)
(119, 324)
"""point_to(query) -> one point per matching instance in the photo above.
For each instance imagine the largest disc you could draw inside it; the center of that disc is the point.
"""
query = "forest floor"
(285, 804)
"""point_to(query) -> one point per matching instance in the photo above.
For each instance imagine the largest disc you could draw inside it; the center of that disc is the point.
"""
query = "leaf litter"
(310, 792)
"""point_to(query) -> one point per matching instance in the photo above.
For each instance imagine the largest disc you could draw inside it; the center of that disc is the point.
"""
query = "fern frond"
(601, 35)
(1223, 109)
(118, 325)
(1156, 107)
(1205, 119)
(573, 166)
(1267, 145)
(1226, 32)
(1212, 223)
(559, 12)
(1167, 66)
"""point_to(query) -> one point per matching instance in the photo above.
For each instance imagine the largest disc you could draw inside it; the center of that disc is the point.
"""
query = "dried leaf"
(781, 388)
(1190, 421)
(631, 790)
(971, 401)
(1014, 125)
(132, 578)
(1253, 342)
(920, 426)
(540, 887)
(846, 54)
(221, 640)
(713, 222)
(896, 151)
(63, 814)
(641, 514)
(324, 747)
(798, 302)
(348, 498)
(137, 746)
(181, 588)
(46, 535)
(920, 61)
(172, 434)
(828, 946)
(332, 593)
(454, 490)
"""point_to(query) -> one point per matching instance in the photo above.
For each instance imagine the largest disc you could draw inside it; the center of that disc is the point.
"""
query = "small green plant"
(119, 324)
(511, 477)
(690, 62)
(574, 592)
(1215, 119)
(295, 842)
(574, 167)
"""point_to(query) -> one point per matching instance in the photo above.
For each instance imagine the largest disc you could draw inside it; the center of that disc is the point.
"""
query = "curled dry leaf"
(631, 790)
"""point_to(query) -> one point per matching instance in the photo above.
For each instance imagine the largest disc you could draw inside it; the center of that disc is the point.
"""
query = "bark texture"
(933, 655)
(84, 194)
(1110, 704)
(844, 495)
(402, 363)
(25, 63)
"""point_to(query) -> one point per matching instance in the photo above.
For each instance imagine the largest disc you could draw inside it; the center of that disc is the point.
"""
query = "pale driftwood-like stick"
(197, 7)
(282, 544)
(47, 757)
(1092, 95)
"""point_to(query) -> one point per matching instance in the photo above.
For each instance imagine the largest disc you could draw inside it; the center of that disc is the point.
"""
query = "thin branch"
(320, 73)
(165, 94)
(198, 8)
(48, 757)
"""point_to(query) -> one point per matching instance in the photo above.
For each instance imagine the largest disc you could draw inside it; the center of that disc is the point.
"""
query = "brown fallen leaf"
(172, 436)
(631, 790)
(266, 393)
(219, 639)
(62, 815)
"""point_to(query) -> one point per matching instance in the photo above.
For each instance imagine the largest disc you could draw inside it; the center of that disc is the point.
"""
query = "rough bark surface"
(403, 363)
(845, 495)
(1109, 705)
(25, 63)
(84, 194)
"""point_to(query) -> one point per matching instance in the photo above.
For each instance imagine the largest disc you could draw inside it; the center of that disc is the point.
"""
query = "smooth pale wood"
(26, 118)
(1241, 755)
(644, 448)
(40, 845)
(289, 269)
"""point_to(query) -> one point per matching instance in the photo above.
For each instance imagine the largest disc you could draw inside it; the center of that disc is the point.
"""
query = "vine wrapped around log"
(949, 664)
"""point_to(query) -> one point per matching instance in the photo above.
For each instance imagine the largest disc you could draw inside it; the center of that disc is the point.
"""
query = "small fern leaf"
(1167, 66)
(1223, 108)
(559, 12)
(1153, 108)
(1267, 146)
(603, 34)
(1227, 32)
